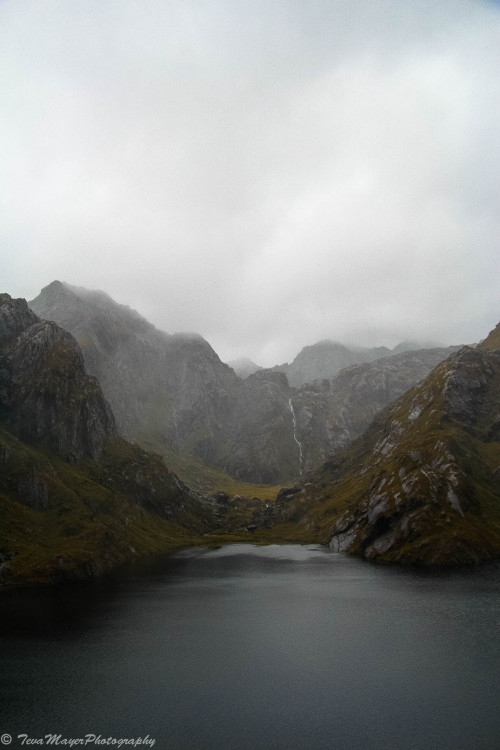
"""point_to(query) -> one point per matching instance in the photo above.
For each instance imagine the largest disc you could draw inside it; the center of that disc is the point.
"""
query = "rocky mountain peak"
(75, 499)
(15, 317)
(45, 394)
(421, 485)
(466, 384)
(174, 393)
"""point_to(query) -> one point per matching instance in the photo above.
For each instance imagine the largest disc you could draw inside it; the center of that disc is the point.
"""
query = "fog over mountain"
(267, 174)
(173, 393)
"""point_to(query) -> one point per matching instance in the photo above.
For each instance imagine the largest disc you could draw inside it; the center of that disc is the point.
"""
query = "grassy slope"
(492, 341)
(205, 479)
(86, 527)
(91, 523)
(343, 486)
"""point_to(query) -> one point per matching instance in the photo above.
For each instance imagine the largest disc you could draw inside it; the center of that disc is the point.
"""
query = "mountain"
(413, 346)
(264, 445)
(326, 358)
(172, 393)
(244, 367)
(75, 499)
(422, 484)
(331, 413)
(282, 432)
(171, 388)
(45, 394)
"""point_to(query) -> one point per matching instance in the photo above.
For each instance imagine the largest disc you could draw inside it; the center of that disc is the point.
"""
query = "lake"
(250, 648)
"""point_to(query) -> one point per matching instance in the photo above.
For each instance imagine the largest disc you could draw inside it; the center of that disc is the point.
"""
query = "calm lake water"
(258, 647)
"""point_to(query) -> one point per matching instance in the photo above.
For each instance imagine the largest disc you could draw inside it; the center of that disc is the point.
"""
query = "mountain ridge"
(422, 484)
(174, 393)
(326, 358)
(75, 498)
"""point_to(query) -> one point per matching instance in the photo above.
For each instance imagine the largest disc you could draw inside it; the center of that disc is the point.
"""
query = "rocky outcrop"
(327, 358)
(45, 394)
(33, 491)
(422, 485)
(264, 448)
(135, 473)
(172, 388)
(168, 390)
(332, 413)
(173, 392)
(75, 499)
(15, 317)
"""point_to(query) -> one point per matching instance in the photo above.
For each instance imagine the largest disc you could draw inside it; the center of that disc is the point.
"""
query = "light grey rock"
(332, 413)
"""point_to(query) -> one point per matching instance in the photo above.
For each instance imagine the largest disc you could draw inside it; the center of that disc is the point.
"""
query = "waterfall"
(295, 435)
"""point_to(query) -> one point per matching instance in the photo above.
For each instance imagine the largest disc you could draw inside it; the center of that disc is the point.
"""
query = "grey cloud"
(266, 173)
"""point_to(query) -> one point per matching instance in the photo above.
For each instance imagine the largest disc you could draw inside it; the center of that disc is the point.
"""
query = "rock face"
(324, 360)
(422, 485)
(327, 358)
(332, 413)
(174, 387)
(45, 394)
(72, 493)
(263, 431)
(174, 393)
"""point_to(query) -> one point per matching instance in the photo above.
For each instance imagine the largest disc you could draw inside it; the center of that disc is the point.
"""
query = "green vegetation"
(86, 526)
(99, 514)
(492, 341)
(204, 479)
(422, 485)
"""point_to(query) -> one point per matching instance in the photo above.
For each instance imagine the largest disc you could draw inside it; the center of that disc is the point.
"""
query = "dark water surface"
(258, 647)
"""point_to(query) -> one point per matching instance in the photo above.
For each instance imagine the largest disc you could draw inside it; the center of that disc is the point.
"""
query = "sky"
(268, 173)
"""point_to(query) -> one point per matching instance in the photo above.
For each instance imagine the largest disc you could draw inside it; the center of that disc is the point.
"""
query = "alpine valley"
(390, 455)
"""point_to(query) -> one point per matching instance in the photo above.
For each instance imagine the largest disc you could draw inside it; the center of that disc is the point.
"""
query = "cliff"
(332, 413)
(173, 393)
(75, 499)
(422, 484)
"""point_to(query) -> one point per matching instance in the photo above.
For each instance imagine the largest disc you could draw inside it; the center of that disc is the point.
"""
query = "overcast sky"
(267, 173)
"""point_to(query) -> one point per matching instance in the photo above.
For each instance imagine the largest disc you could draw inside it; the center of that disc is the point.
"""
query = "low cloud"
(268, 174)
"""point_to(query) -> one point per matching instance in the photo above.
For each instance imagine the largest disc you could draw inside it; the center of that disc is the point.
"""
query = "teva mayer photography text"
(87, 740)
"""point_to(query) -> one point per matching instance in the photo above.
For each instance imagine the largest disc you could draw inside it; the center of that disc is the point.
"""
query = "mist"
(267, 174)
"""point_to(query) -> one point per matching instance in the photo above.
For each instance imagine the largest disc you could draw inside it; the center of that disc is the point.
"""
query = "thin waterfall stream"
(295, 434)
